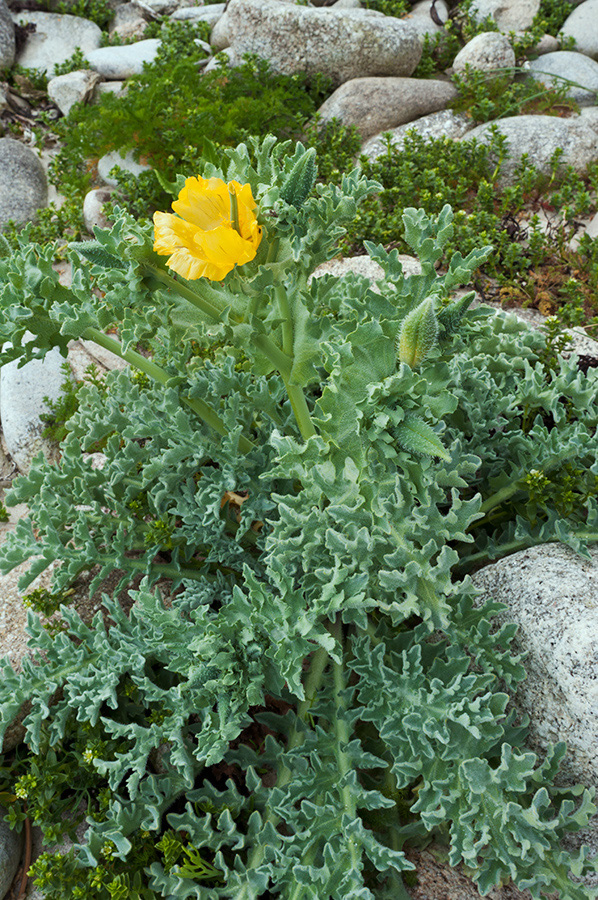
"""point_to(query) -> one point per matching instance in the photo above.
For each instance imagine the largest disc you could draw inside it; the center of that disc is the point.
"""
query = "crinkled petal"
(191, 267)
(205, 202)
(224, 246)
(171, 233)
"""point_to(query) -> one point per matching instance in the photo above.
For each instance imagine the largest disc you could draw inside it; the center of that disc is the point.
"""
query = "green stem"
(512, 546)
(271, 351)
(300, 410)
(204, 306)
(265, 345)
(343, 736)
(287, 319)
(166, 570)
(199, 407)
(313, 681)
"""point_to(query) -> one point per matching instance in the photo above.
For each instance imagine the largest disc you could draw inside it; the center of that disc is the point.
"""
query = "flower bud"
(418, 334)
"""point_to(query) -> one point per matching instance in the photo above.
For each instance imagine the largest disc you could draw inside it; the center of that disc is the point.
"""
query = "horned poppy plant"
(215, 229)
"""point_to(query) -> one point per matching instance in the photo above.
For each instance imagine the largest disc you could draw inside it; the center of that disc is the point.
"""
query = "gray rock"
(552, 594)
(55, 39)
(23, 184)
(539, 137)
(210, 14)
(107, 162)
(93, 208)
(3, 98)
(443, 124)
(589, 114)
(22, 393)
(592, 228)
(128, 22)
(220, 36)
(11, 845)
(377, 104)
(557, 69)
(419, 17)
(7, 37)
(547, 44)
(363, 265)
(509, 15)
(347, 4)
(343, 44)
(582, 25)
(116, 63)
(486, 51)
(74, 87)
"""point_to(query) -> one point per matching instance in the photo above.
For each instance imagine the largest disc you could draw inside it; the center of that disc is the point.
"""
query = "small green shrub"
(72, 64)
(488, 96)
(530, 265)
(165, 117)
(98, 11)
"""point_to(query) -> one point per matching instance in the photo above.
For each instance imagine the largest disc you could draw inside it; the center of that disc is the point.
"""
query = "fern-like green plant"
(303, 683)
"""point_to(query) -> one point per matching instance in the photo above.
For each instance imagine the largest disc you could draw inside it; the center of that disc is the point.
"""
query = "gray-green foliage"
(312, 496)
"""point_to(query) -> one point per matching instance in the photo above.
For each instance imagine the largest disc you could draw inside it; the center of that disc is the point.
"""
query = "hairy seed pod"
(300, 180)
(418, 334)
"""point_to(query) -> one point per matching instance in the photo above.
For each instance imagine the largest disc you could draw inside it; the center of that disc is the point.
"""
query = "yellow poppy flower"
(215, 229)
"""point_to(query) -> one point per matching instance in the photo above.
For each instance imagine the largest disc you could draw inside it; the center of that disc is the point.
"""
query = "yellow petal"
(170, 233)
(224, 246)
(184, 263)
(205, 202)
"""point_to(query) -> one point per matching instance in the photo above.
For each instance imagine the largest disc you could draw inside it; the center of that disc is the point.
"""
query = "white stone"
(582, 25)
(93, 209)
(509, 15)
(592, 228)
(55, 39)
(74, 87)
(419, 17)
(107, 162)
(220, 36)
(539, 137)
(557, 69)
(363, 265)
(342, 44)
(23, 183)
(485, 52)
(547, 44)
(22, 392)
(374, 105)
(210, 14)
(552, 594)
(443, 124)
(116, 63)
(128, 22)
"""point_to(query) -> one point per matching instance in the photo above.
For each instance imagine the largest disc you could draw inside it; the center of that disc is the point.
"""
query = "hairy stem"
(342, 735)
(313, 681)
(199, 407)
(300, 410)
(509, 547)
